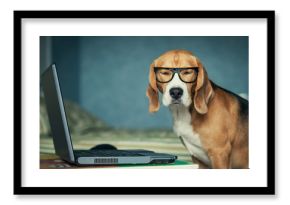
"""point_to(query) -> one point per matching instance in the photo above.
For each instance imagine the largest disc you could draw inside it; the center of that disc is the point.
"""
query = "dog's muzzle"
(176, 93)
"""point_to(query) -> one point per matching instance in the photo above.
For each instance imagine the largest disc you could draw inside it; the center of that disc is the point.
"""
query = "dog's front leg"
(220, 157)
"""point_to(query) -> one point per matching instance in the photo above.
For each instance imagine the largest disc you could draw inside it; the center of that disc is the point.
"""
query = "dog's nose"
(176, 93)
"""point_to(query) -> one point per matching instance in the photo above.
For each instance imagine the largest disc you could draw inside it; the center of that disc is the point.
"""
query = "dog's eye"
(164, 73)
(187, 72)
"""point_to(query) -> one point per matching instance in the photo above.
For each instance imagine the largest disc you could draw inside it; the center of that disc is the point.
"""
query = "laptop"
(102, 155)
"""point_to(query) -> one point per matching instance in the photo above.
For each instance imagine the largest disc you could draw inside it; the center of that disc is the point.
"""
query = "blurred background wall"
(108, 76)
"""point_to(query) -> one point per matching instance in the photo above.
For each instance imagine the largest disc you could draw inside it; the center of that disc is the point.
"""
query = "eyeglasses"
(187, 75)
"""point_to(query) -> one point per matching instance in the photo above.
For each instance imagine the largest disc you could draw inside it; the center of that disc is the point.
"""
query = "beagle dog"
(211, 121)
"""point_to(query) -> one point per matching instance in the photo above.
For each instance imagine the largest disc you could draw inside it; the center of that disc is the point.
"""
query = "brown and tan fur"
(220, 117)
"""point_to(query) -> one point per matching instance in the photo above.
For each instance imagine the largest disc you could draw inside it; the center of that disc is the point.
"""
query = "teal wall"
(108, 76)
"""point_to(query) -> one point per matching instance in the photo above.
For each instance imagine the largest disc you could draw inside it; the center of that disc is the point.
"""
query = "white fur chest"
(182, 126)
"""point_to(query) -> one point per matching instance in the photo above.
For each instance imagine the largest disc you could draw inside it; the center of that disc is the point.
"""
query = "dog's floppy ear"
(152, 91)
(203, 90)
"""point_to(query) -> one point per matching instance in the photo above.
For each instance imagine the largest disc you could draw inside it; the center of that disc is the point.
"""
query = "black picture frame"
(19, 189)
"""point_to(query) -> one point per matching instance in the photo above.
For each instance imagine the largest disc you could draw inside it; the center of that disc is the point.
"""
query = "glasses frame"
(176, 70)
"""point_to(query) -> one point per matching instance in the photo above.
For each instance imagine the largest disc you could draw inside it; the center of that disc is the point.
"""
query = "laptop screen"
(56, 114)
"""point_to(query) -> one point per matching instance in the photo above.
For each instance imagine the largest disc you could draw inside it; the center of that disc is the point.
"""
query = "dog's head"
(181, 78)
